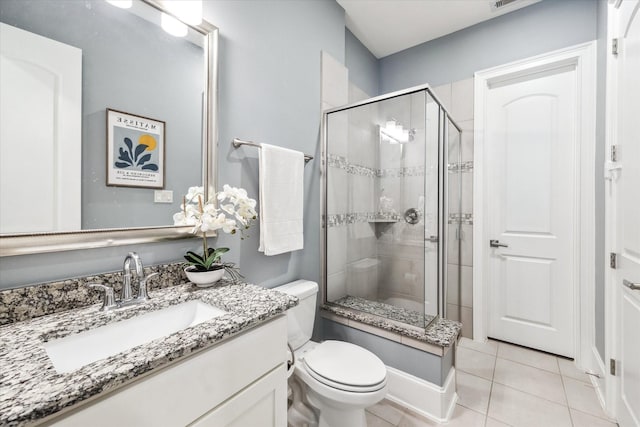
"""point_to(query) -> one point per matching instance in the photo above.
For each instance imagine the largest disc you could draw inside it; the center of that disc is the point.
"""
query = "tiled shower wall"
(457, 97)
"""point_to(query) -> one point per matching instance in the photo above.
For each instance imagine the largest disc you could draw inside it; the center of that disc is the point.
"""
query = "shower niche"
(389, 211)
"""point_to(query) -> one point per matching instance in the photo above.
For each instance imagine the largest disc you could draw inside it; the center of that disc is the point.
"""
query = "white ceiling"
(389, 26)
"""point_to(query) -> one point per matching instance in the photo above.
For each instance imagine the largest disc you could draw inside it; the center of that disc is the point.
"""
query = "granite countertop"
(441, 332)
(31, 389)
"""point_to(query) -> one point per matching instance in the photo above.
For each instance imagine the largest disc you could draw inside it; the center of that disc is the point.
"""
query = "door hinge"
(612, 366)
(613, 260)
(614, 46)
(614, 153)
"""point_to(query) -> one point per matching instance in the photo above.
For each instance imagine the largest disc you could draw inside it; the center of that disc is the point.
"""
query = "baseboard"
(422, 397)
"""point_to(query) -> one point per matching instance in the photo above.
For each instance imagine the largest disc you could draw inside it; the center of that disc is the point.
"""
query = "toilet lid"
(344, 364)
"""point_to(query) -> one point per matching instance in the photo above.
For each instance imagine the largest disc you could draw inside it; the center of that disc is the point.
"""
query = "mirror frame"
(25, 244)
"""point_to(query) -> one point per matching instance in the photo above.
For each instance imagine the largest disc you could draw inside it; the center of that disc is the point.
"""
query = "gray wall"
(542, 27)
(131, 65)
(269, 92)
(363, 67)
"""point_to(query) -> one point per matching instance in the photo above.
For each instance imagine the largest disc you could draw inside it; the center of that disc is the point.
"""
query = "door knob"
(497, 244)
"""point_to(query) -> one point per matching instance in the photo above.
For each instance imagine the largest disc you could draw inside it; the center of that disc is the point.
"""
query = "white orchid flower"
(179, 219)
(210, 209)
(234, 194)
(229, 208)
(246, 213)
(193, 193)
(234, 210)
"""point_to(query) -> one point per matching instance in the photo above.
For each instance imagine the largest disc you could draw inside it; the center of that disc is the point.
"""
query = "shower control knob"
(411, 216)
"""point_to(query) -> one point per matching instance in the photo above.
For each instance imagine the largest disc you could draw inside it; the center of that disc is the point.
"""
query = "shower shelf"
(382, 224)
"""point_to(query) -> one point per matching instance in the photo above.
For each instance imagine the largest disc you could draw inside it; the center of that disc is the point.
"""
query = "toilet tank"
(301, 317)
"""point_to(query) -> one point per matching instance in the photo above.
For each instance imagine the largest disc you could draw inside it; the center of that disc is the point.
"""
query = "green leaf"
(194, 257)
(208, 262)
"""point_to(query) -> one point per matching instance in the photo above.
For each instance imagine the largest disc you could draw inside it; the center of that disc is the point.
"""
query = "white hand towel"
(281, 200)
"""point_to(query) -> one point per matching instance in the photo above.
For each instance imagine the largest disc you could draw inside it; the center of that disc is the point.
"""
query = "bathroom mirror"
(129, 70)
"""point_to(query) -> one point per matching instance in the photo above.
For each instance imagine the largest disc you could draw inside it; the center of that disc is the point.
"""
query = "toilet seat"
(346, 367)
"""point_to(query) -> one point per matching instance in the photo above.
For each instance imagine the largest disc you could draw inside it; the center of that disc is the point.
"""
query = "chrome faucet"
(127, 298)
(127, 295)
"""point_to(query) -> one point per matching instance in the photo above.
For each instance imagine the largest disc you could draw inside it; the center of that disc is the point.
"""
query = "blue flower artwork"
(135, 150)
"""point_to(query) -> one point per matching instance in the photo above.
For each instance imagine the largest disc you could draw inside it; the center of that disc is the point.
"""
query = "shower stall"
(391, 208)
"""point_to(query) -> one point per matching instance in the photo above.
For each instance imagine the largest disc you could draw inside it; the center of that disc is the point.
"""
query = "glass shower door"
(382, 208)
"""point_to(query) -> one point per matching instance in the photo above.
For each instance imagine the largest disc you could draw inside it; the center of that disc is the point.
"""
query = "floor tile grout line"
(480, 351)
(594, 416)
(566, 396)
(533, 395)
(579, 410)
(531, 366)
(530, 393)
(495, 361)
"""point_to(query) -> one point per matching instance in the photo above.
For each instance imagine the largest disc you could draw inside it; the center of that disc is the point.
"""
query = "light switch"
(163, 196)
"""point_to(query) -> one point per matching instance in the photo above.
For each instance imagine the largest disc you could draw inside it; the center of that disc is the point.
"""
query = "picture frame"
(135, 150)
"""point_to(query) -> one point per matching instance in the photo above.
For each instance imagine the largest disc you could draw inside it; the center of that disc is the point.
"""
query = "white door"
(530, 132)
(627, 207)
(40, 133)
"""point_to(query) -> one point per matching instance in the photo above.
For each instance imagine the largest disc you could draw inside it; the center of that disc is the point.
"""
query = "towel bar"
(238, 142)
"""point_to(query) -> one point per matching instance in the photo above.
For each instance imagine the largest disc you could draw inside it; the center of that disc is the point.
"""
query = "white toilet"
(340, 379)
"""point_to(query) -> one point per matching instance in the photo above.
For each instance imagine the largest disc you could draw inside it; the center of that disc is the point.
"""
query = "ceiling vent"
(498, 4)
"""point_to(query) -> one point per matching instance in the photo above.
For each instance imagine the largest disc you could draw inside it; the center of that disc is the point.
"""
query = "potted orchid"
(230, 210)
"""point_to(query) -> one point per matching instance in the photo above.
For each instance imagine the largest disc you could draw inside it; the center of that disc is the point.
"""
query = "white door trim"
(584, 57)
(610, 290)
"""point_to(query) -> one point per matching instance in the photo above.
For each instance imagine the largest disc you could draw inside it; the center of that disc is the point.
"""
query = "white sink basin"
(75, 351)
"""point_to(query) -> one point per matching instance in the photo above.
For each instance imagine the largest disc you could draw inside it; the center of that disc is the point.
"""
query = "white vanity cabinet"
(238, 382)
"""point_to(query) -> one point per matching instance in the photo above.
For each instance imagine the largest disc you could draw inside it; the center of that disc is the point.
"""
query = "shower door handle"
(497, 244)
(432, 239)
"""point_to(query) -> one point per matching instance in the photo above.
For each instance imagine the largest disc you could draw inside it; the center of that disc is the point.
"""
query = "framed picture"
(135, 150)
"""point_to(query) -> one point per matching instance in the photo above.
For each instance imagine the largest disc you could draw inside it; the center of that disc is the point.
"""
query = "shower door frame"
(443, 235)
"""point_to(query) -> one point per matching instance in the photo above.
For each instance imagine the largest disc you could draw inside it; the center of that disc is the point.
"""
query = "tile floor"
(500, 385)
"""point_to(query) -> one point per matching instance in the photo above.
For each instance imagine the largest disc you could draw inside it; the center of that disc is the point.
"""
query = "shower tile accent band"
(402, 172)
(341, 162)
(461, 167)
(455, 218)
(339, 220)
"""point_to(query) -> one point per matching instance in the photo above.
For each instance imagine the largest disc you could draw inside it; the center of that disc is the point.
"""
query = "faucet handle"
(109, 299)
(143, 293)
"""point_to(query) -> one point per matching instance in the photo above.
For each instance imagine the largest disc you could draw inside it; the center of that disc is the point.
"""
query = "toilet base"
(338, 415)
